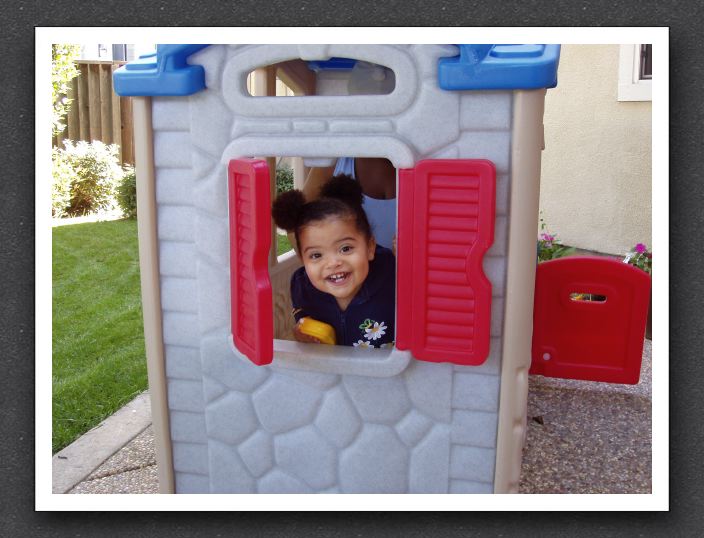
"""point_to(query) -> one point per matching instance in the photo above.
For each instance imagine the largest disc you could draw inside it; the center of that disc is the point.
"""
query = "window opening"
(283, 261)
(646, 62)
(261, 290)
(335, 77)
(285, 182)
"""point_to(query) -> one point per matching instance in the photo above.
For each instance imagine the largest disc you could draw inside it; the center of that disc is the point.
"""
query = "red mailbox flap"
(250, 239)
(589, 319)
(445, 226)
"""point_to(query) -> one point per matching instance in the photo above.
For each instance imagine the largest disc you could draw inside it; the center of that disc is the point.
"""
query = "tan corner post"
(527, 144)
(151, 295)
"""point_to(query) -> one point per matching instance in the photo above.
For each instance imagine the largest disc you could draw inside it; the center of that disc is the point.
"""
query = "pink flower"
(640, 248)
(547, 237)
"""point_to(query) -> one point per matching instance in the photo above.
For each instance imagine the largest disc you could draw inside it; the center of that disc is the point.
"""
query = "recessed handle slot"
(587, 297)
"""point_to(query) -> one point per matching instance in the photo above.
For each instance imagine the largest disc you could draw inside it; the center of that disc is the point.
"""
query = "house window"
(386, 81)
(635, 72)
(119, 53)
(255, 337)
(445, 226)
(339, 77)
(646, 62)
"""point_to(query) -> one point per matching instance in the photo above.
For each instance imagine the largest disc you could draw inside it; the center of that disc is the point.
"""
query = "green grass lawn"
(98, 358)
(97, 335)
(282, 244)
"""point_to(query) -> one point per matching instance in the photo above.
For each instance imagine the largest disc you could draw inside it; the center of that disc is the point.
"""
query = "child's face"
(336, 257)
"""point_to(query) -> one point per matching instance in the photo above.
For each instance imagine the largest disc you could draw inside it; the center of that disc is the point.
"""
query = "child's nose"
(334, 260)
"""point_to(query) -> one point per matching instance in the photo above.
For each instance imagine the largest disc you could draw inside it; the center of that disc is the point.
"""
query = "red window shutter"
(445, 226)
(592, 340)
(250, 239)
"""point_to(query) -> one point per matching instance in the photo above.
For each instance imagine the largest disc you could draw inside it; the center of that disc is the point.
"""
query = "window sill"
(636, 91)
(335, 359)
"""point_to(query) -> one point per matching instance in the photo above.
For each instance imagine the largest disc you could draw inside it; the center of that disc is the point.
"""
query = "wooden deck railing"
(97, 112)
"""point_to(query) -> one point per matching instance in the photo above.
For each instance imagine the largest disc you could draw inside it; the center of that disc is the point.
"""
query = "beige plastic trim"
(527, 143)
(151, 295)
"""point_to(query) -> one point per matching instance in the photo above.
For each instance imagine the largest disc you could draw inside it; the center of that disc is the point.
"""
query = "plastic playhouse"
(238, 406)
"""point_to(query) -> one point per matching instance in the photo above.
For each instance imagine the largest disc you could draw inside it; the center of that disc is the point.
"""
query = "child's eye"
(346, 248)
(314, 256)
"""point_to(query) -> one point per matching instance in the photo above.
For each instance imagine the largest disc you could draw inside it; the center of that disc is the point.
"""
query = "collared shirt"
(369, 320)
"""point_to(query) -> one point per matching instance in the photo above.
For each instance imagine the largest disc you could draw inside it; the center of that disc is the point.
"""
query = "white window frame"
(630, 86)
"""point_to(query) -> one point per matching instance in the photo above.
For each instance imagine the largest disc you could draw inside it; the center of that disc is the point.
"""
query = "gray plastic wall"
(240, 428)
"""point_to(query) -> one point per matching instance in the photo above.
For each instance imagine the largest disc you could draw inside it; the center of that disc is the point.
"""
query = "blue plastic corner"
(500, 67)
(165, 72)
(332, 63)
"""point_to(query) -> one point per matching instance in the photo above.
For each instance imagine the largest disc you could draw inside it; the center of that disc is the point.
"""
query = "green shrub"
(640, 257)
(127, 193)
(284, 179)
(61, 173)
(92, 170)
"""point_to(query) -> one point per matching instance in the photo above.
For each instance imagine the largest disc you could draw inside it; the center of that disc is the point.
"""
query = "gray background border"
(17, 259)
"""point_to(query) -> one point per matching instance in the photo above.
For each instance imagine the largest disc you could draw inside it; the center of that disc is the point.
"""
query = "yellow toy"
(317, 329)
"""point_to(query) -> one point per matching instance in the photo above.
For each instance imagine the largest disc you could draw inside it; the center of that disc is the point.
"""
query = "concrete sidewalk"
(117, 456)
(583, 437)
(589, 437)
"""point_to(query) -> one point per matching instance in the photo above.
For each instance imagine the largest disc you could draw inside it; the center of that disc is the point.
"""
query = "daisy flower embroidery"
(376, 331)
(363, 344)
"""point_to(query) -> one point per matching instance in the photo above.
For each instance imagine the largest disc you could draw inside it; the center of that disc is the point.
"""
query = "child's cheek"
(312, 273)
(309, 271)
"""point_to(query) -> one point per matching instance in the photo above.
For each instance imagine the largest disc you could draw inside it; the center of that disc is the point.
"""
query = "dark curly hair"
(340, 196)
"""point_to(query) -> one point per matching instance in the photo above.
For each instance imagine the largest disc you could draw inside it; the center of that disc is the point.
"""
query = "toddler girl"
(347, 280)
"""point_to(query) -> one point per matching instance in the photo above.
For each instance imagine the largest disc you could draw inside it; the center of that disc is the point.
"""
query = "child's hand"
(393, 245)
(304, 338)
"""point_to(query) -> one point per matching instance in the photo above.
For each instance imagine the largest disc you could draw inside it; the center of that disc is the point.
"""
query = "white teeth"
(337, 277)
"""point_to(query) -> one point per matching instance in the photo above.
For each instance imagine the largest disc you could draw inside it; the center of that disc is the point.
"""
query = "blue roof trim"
(478, 67)
(165, 72)
(500, 67)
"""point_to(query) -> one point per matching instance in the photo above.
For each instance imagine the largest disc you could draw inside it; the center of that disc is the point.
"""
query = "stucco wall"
(596, 167)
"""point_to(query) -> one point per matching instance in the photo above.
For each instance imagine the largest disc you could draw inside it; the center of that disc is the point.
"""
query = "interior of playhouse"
(337, 76)
(334, 77)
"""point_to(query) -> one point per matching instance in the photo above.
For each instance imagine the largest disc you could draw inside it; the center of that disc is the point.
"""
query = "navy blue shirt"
(370, 317)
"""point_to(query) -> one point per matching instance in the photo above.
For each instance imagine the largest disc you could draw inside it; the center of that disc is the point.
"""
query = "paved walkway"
(583, 437)
(113, 214)
(588, 437)
(109, 457)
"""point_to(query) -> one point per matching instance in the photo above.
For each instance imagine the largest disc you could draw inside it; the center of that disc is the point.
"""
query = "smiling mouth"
(337, 278)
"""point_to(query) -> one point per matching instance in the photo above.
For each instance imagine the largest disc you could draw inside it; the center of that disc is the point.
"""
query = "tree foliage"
(85, 177)
(284, 179)
(63, 71)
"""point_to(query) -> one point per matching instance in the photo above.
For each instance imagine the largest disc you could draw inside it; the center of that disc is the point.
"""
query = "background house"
(596, 166)
(114, 52)
(595, 190)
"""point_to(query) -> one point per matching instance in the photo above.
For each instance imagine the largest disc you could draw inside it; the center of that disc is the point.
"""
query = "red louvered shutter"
(250, 239)
(445, 226)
